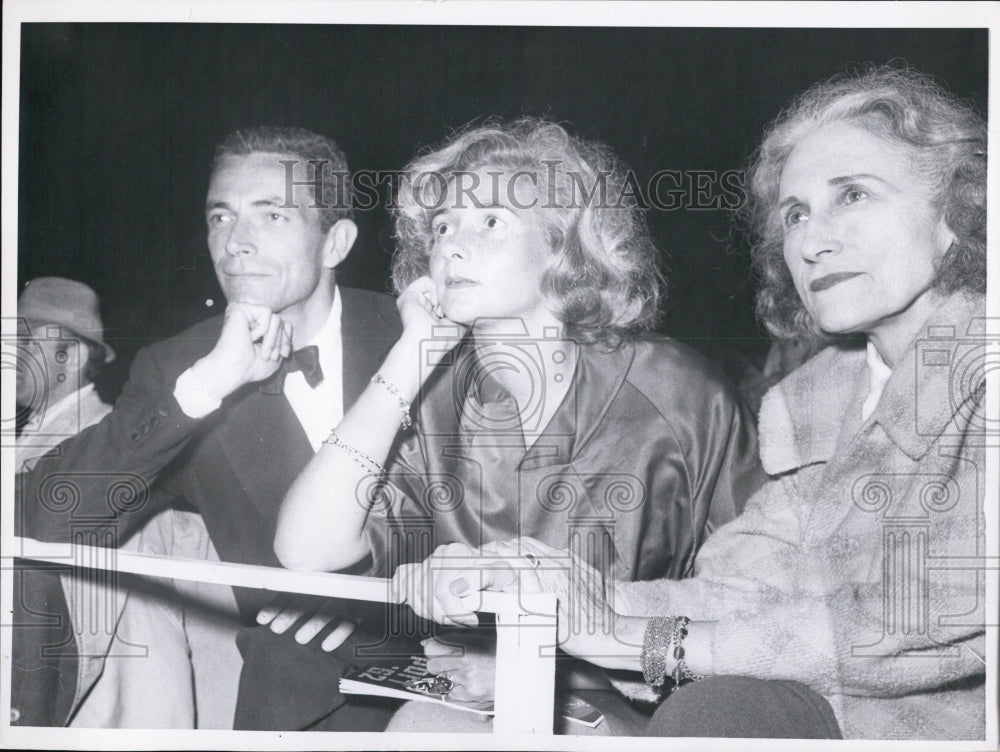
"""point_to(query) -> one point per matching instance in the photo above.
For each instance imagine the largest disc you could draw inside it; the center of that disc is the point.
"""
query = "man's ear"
(338, 242)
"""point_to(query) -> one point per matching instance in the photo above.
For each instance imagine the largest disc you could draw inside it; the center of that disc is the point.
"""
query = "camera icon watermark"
(43, 360)
(955, 363)
(472, 371)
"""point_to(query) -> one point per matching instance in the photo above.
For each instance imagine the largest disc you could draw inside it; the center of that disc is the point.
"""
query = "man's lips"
(829, 280)
(244, 274)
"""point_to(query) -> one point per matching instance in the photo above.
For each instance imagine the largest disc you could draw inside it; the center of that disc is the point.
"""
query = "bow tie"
(305, 360)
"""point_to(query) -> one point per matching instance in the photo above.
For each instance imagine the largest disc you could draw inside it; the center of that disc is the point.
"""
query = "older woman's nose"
(819, 238)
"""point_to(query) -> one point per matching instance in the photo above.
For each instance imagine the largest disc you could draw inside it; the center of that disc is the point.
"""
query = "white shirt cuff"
(194, 401)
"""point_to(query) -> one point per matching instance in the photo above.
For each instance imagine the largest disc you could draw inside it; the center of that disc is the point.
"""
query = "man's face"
(48, 367)
(264, 253)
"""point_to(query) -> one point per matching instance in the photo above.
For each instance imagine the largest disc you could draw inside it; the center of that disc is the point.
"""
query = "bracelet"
(359, 457)
(681, 671)
(655, 642)
(404, 406)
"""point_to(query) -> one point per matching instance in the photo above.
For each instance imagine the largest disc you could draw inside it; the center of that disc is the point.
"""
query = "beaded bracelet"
(681, 671)
(359, 457)
(404, 406)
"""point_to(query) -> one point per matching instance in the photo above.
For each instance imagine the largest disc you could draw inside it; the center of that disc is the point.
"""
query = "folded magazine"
(408, 679)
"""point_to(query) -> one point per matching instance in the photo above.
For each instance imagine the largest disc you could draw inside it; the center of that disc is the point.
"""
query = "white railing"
(526, 623)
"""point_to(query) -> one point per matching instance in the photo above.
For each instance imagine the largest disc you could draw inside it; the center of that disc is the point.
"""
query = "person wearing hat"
(66, 671)
(61, 349)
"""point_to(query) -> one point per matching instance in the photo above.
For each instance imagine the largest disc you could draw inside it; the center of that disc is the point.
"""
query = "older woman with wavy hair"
(847, 600)
(525, 274)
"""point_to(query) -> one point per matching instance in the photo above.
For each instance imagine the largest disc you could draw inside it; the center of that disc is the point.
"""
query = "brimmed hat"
(68, 303)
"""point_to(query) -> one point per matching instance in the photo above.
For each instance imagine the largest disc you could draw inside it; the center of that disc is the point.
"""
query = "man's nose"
(240, 239)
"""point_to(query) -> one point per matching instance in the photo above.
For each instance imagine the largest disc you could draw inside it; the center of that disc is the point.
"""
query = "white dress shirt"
(319, 410)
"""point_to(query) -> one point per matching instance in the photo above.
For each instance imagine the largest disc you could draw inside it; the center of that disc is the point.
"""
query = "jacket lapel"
(266, 448)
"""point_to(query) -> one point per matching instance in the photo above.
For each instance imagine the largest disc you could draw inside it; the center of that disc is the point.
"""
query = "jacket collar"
(597, 380)
(940, 373)
(800, 418)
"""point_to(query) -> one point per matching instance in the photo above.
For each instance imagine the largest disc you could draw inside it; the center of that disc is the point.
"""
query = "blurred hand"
(469, 659)
(251, 346)
(280, 618)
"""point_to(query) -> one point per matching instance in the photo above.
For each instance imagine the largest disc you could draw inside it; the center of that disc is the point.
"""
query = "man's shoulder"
(370, 311)
(189, 345)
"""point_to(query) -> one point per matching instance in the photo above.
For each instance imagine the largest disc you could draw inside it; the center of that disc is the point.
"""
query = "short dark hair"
(604, 281)
(947, 139)
(304, 145)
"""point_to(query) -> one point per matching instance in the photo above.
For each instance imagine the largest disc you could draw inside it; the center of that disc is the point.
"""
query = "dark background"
(119, 121)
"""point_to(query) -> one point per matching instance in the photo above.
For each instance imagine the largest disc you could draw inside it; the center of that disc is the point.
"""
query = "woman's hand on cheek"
(422, 316)
(469, 659)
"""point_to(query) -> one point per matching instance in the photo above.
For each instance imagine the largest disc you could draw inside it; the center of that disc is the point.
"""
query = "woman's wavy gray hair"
(947, 140)
(603, 281)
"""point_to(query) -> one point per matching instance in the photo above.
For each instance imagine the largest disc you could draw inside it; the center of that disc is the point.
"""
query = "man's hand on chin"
(253, 342)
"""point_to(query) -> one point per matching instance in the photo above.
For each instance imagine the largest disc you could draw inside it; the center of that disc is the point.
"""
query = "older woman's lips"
(824, 283)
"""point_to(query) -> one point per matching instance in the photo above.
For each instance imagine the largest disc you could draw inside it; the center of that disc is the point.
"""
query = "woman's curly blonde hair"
(603, 281)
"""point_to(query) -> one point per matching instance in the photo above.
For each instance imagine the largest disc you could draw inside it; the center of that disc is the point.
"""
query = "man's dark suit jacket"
(234, 466)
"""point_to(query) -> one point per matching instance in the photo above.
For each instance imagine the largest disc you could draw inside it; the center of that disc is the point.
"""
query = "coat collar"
(598, 378)
(938, 375)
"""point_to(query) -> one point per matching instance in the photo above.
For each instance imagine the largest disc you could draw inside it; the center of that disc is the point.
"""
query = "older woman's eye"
(441, 228)
(794, 216)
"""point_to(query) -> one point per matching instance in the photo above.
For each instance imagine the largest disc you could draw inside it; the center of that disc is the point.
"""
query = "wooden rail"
(526, 623)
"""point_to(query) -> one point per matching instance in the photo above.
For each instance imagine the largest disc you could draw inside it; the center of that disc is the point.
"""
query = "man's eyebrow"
(276, 201)
(272, 201)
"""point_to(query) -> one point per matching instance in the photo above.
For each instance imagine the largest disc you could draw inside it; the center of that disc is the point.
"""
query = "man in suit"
(225, 415)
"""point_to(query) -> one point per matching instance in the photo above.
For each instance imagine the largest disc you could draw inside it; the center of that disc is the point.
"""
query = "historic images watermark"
(664, 190)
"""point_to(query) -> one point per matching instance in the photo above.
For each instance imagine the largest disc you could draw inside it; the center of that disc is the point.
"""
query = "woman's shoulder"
(676, 378)
(835, 364)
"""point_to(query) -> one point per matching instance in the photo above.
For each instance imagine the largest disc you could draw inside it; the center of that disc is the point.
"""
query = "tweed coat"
(858, 569)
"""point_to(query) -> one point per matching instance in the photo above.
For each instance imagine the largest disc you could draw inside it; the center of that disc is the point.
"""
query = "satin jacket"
(649, 451)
